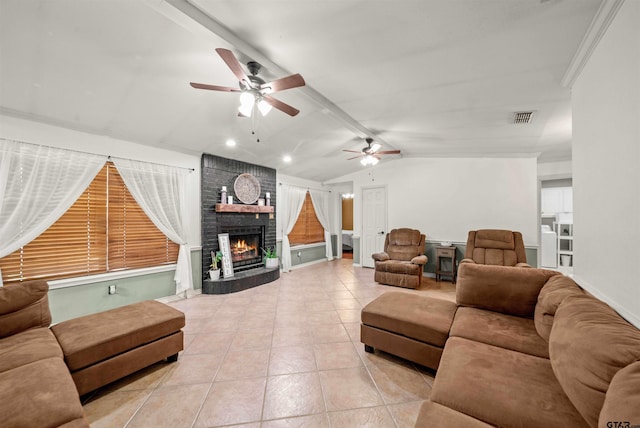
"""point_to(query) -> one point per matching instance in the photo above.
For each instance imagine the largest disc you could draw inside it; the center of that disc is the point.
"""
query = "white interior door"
(374, 222)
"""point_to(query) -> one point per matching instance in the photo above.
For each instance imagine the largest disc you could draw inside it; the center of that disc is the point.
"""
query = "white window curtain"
(320, 199)
(159, 190)
(292, 201)
(38, 184)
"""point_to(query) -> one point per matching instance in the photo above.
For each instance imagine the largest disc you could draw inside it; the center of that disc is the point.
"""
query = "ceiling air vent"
(522, 117)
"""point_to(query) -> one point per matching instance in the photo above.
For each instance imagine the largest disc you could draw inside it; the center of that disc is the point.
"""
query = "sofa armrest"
(380, 257)
(505, 289)
(419, 260)
(467, 261)
(24, 306)
(527, 265)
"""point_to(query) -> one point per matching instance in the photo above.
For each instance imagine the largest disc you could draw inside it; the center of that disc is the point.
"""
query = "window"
(105, 230)
(307, 229)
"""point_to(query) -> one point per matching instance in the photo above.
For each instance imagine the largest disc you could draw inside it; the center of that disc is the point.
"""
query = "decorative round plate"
(247, 188)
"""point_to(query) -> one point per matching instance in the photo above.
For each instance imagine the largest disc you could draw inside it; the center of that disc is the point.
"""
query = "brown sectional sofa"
(37, 388)
(529, 348)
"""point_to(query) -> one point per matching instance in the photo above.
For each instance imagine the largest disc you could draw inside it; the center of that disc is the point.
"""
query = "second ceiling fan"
(370, 154)
(255, 91)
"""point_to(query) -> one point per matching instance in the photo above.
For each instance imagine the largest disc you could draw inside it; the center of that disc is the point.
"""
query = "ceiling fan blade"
(388, 152)
(284, 107)
(351, 151)
(232, 62)
(293, 81)
(355, 157)
(213, 87)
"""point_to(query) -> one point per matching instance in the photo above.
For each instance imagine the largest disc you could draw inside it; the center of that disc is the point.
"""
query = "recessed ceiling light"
(286, 158)
(231, 143)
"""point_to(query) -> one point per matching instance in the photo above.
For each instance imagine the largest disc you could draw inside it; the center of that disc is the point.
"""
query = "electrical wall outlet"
(112, 289)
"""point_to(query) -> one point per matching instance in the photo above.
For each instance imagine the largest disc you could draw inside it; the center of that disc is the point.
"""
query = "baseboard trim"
(188, 294)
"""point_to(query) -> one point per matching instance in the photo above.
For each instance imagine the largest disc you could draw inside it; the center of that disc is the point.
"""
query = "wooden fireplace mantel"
(239, 208)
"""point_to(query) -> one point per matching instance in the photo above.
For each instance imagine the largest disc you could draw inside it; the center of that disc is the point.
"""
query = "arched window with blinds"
(307, 229)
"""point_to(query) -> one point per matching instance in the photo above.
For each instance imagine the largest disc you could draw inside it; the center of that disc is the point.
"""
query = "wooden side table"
(446, 253)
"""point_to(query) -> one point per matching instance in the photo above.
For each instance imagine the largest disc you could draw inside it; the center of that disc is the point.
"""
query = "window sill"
(110, 276)
(303, 246)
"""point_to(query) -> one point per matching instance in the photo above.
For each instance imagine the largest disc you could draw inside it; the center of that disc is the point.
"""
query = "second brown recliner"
(495, 247)
(401, 264)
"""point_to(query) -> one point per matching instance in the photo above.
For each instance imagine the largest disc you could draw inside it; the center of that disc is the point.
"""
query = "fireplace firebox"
(246, 246)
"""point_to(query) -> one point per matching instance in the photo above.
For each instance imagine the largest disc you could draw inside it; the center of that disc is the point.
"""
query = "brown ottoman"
(107, 346)
(410, 326)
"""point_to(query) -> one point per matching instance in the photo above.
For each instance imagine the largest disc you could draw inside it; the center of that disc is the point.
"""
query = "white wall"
(447, 197)
(555, 170)
(38, 133)
(606, 166)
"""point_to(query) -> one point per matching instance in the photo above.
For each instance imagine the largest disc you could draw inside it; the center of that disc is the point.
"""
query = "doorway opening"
(347, 226)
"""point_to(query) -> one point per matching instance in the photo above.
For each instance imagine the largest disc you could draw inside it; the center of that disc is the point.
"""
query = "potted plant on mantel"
(270, 258)
(214, 270)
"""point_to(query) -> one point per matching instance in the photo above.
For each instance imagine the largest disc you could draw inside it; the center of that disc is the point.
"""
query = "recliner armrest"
(467, 261)
(419, 260)
(380, 257)
(523, 265)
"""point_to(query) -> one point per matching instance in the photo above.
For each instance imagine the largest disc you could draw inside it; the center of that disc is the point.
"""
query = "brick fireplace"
(257, 230)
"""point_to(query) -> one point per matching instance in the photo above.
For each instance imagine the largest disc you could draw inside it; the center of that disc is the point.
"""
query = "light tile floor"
(284, 354)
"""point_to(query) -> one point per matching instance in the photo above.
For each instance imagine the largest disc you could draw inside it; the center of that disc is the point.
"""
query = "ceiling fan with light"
(370, 154)
(255, 91)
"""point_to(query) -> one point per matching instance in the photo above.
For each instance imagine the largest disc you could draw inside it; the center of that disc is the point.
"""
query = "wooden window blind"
(104, 230)
(307, 229)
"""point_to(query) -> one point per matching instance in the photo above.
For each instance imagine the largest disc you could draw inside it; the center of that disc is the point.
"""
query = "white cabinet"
(567, 200)
(557, 200)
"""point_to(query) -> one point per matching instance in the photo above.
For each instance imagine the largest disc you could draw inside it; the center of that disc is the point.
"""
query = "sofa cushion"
(23, 306)
(27, 347)
(493, 256)
(404, 244)
(495, 238)
(418, 317)
(501, 387)
(589, 343)
(395, 266)
(435, 415)
(622, 402)
(92, 338)
(551, 295)
(39, 394)
(505, 289)
(493, 328)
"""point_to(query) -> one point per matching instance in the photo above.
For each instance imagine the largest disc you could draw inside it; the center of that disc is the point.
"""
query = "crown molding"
(597, 28)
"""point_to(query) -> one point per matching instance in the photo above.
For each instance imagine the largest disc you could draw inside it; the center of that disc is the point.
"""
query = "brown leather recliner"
(495, 247)
(401, 263)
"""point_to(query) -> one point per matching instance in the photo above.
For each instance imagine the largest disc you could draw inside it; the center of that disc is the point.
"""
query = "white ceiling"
(428, 77)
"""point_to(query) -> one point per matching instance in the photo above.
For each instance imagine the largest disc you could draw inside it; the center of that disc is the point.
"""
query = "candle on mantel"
(223, 196)
(268, 197)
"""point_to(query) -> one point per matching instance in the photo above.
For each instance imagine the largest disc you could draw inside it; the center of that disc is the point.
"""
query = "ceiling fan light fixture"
(264, 107)
(369, 160)
(245, 110)
(247, 101)
(247, 98)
